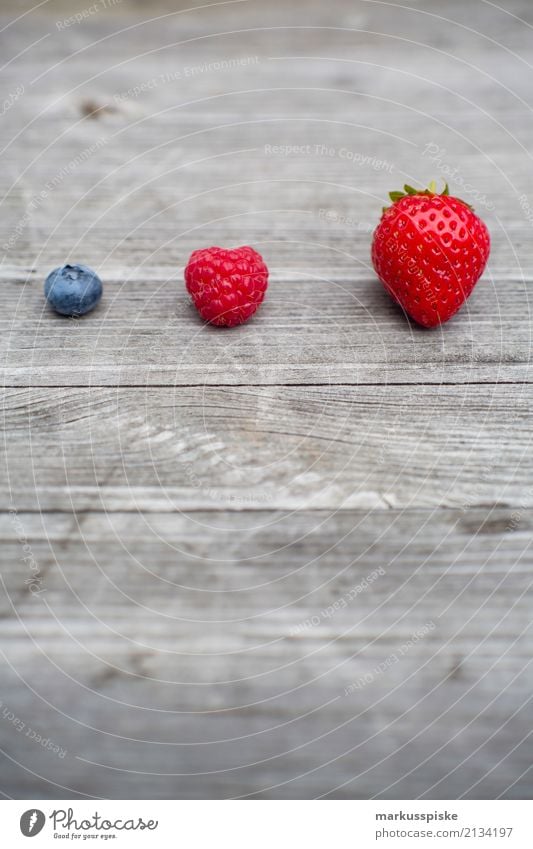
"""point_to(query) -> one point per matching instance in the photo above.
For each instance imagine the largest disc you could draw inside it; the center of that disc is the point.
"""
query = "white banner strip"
(267, 824)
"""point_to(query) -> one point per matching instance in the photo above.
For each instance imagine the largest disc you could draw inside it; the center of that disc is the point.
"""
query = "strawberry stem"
(431, 191)
(408, 190)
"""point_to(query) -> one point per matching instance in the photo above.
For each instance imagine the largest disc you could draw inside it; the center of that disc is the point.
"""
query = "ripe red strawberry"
(226, 286)
(429, 251)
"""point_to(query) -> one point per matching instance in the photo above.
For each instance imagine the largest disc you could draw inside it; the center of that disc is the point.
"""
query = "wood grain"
(279, 447)
(196, 630)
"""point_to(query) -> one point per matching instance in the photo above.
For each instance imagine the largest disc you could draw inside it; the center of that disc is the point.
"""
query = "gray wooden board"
(239, 640)
(283, 447)
(292, 559)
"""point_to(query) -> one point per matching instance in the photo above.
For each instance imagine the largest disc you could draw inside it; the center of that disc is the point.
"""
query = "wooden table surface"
(293, 559)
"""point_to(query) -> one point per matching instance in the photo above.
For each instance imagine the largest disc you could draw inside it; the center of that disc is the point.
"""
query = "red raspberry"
(226, 286)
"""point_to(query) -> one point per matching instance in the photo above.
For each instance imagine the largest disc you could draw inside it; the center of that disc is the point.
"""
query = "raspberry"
(226, 286)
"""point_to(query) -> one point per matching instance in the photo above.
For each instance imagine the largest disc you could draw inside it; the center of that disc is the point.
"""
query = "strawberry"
(429, 251)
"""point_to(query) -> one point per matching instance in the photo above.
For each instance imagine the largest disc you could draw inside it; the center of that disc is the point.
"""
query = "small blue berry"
(73, 289)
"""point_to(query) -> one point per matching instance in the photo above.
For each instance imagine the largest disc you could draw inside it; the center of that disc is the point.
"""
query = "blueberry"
(73, 289)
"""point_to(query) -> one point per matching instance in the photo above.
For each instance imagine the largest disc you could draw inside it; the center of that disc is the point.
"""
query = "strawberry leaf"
(431, 191)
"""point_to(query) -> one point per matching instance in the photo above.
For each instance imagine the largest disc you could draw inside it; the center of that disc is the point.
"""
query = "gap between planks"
(252, 385)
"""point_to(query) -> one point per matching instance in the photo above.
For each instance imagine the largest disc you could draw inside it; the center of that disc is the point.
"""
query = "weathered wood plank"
(191, 637)
(278, 447)
(330, 329)
(238, 690)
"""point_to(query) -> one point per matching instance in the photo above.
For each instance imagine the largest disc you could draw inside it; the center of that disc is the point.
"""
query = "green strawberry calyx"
(431, 191)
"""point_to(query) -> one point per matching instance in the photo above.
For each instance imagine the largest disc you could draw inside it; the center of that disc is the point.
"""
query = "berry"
(429, 251)
(226, 286)
(73, 289)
